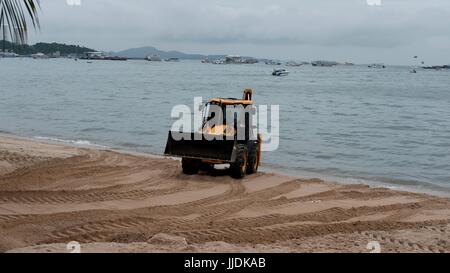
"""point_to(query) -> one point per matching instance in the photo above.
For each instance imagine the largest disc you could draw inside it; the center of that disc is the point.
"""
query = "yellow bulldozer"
(234, 142)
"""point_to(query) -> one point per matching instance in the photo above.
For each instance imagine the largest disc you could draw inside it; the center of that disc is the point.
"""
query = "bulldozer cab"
(227, 117)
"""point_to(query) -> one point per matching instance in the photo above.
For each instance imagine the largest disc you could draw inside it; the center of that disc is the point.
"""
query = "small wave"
(408, 184)
(73, 142)
(344, 114)
(324, 156)
(96, 129)
(144, 133)
(337, 175)
(400, 128)
(133, 145)
(88, 120)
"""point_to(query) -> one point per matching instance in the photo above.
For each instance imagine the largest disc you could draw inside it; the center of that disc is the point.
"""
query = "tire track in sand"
(211, 216)
(389, 241)
(86, 165)
(271, 234)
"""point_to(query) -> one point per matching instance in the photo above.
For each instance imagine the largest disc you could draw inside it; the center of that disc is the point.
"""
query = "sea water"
(348, 123)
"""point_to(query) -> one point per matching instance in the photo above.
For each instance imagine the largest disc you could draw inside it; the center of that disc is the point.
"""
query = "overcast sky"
(341, 30)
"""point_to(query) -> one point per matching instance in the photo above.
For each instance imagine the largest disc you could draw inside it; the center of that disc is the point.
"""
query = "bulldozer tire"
(253, 158)
(205, 167)
(238, 168)
(190, 166)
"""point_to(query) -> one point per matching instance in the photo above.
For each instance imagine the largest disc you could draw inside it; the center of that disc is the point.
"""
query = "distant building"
(233, 59)
(324, 63)
(236, 59)
(272, 62)
(56, 54)
(94, 55)
(251, 61)
(97, 55)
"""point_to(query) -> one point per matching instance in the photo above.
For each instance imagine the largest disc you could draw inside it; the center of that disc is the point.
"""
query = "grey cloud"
(254, 24)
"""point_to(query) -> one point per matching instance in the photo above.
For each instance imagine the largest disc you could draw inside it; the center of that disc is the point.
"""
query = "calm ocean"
(348, 123)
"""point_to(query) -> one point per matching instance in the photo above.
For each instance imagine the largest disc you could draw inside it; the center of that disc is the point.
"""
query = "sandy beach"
(110, 201)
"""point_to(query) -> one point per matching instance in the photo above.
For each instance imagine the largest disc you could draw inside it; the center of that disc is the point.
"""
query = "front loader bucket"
(204, 149)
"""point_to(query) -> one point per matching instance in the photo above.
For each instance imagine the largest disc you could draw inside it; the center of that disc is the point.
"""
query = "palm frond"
(14, 16)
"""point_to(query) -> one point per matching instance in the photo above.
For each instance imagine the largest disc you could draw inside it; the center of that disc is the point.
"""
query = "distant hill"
(132, 53)
(142, 52)
(46, 48)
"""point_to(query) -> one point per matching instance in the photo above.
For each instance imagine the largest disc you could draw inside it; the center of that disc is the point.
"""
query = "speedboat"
(153, 58)
(280, 72)
(39, 56)
(378, 66)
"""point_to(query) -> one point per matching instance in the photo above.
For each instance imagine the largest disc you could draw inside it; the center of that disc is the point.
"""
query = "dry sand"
(108, 201)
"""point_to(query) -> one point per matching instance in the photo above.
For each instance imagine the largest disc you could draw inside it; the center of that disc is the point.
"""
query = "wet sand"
(111, 201)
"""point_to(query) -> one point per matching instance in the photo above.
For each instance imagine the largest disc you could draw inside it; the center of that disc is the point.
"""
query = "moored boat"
(378, 66)
(39, 56)
(7, 54)
(324, 63)
(280, 72)
(153, 58)
(437, 67)
(293, 63)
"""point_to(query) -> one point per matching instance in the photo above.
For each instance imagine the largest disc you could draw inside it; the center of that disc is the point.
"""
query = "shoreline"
(431, 189)
(110, 201)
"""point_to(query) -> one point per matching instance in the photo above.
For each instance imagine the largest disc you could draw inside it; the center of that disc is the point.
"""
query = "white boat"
(280, 72)
(324, 63)
(272, 62)
(8, 54)
(379, 66)
(293, 63)
(213, 61)
(39, 56)
(219, 61)
(172, 60)
(153, 58)
(94, 55)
